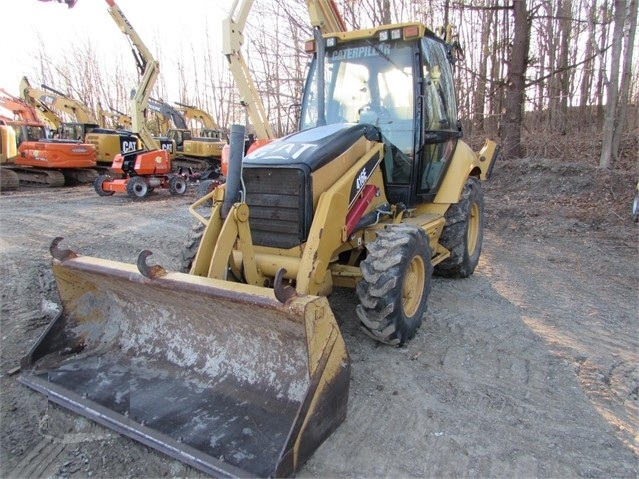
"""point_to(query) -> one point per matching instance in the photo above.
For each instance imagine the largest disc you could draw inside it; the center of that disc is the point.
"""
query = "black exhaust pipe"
(234, 173)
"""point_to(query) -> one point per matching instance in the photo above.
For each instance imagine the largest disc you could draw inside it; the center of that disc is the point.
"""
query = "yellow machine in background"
(113, 118)
(108, 142)
(237, 365)
(202, 154)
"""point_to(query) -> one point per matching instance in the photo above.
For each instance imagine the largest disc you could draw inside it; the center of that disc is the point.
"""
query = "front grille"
(279, 204)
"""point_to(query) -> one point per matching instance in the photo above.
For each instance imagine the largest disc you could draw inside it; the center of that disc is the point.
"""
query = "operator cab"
(400, 80)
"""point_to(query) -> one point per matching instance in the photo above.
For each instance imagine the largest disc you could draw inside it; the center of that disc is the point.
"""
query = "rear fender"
(464, 163)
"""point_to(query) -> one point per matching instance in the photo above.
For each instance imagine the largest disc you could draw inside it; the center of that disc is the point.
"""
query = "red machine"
(142, 171)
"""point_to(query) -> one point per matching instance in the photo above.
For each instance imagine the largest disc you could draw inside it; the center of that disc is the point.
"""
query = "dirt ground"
(527, 369)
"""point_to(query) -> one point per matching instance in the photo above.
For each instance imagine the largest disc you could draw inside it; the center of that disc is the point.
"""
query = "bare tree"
(624, 89)
(516, 85)
(612, 90)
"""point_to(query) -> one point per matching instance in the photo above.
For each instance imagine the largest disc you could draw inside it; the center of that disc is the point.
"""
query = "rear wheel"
(396, 279)
(177, 185)
(98, 185)
(463, 233)
(137, 187)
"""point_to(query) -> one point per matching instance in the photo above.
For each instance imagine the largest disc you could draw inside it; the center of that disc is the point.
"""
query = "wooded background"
(536, 75)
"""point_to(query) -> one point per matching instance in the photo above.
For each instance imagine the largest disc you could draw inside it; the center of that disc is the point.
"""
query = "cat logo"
(361, 178)
(129, 146)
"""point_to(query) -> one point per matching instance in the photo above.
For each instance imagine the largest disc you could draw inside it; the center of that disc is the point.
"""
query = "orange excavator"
(37, 160)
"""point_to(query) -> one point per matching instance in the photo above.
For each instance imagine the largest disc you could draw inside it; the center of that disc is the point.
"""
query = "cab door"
(440, 126)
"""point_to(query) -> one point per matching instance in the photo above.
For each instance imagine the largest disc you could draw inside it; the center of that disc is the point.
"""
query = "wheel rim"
(413, 288)
(473, 228)
(139, 189)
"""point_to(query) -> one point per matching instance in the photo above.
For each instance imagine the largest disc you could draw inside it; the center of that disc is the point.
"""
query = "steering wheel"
(374, 113)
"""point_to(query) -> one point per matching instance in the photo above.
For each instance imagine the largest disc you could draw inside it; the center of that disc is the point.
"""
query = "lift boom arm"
(149, 70)
(232, 41)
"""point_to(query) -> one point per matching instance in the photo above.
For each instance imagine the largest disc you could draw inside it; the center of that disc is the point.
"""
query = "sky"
(172, 24)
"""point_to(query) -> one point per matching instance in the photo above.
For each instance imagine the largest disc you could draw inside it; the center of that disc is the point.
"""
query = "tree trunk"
(564, 75)
(480, 91)
(515, 88)
(624, 89)
(612, 92)
(591, 45)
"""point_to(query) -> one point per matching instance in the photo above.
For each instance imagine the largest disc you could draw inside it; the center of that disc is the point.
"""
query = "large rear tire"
(463, 233)
(137, 187)
(98, 185)
(396, 281)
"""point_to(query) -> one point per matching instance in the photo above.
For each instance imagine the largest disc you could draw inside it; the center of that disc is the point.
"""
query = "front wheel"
(177, 185)
(98, 184)
(137, 187)
(463, 233)
(191, 246)
(396, 281)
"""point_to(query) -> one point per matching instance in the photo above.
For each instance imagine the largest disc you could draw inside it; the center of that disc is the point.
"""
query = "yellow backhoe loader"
(237, 366)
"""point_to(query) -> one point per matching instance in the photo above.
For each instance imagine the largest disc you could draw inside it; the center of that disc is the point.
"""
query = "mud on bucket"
(219, 375)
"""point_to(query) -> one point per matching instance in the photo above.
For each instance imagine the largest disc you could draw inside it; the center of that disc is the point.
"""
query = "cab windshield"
(366, 82)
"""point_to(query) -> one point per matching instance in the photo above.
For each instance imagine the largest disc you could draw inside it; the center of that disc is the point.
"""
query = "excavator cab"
(403, 85)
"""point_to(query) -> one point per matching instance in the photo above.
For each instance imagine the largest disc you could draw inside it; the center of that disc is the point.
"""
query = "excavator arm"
(21, 110)
(196, 114)
(58, 101)
(119, 119)
(65, 103)
(232, 41)
(149, 71)
(170, 114)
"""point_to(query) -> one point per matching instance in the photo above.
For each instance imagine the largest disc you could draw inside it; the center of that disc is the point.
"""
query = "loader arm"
(232, 41)
(149, 70)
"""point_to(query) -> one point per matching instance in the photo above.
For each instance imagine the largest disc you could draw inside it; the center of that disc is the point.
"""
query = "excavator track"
(39, 177)
(78, 176)
(195, 164)
(8, 179)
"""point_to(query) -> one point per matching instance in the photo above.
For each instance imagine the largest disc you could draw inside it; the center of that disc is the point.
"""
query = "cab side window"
(440, 113)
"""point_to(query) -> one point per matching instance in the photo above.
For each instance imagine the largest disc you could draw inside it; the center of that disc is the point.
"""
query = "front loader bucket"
(219, 375)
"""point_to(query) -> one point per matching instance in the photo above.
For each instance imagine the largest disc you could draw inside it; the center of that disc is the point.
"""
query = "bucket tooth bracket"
(60, 254)
(283, 292)
(151, 272)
